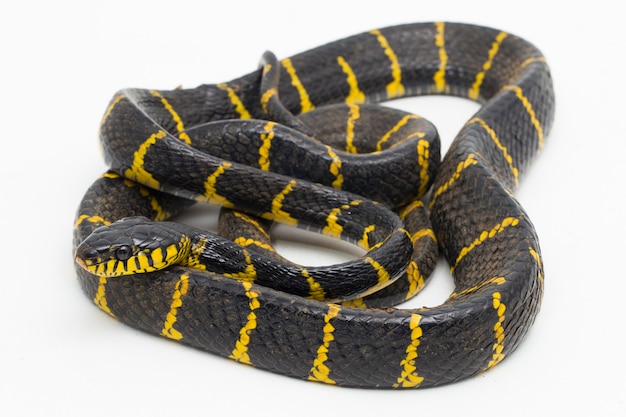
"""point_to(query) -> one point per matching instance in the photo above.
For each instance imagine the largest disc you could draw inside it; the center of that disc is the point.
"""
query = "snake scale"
(235, 144)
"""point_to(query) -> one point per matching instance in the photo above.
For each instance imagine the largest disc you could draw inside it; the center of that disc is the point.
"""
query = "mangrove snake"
(238, 144)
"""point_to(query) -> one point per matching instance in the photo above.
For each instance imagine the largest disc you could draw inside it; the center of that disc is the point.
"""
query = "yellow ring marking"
(440, 43)
(353, 116)
(110, 108)
(474, 91)
(415, 279)
(356, 303)
(236, 101)
(395, 87)
(423, 156)
(355, 95)
(332, 228)
(319, 371)
(177, 301)
(531, 112)
(251, 221)
(243, 241)
(335, 168)
(100, 299)
(210, 192)
(498, 346)
(90, 219)
(267, 96)
(494, 280)
(409, 376)
(531, 60)
(193, 260)
(365, 241)
(161, 214)
(248, 274)
(484, 236)
(383, 275)
(316, 292)
(136, 171)
(264, 150)
(537, 259)
(505, 153)
(423, 233)
(240, 352)
(415, 204)
(278, 213)
(175, 116)
(305, 101)
(395, 129)
(469, 161)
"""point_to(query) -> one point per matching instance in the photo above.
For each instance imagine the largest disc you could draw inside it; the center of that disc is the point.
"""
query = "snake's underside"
(479, 226)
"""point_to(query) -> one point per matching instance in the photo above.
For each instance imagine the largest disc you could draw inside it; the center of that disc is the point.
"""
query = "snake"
(284, 144)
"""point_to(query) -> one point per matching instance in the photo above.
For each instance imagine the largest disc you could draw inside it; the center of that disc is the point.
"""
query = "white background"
(62, 61)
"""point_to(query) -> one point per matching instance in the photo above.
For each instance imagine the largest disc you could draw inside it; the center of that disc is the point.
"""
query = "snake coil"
(164, 156)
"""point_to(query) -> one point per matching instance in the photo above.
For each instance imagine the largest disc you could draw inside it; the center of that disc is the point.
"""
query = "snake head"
(130, 246)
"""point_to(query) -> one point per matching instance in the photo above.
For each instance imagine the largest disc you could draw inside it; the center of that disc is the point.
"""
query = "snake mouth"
(80, 262)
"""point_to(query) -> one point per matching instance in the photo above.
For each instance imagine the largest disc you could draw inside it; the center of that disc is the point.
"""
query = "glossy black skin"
(457, 338)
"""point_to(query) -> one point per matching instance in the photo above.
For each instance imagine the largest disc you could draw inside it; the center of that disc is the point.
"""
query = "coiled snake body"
(323, 332)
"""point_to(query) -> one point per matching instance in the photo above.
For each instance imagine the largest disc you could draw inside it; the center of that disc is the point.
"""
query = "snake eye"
(123, 253)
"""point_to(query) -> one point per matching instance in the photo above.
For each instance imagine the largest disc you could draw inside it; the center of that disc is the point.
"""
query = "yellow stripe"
(355, 95)
(100, 299)
(529, 108)
(354, 114)
(383, 275)
(316, 292)
(409, 376)
(136, 171)
(537, 259)
(395, 87)
(469, 161)
(415, 279)
(267, 96)
(251, 221)
(156, 206)
(240, 352)
(484, 236)
(495, 46)
(236, 101)
(415, 204)
(395, 129)
(335, 168)
(248, 274)
(498, 329)
(423, 156)
(440, 75)
(243, 241)
(333, 228)
(365, 241)
(320, 371)
(90, 219)
(110, 108)
(180, 127)
(356, 303)
(210, 191)
(505, 153)
(533, 59)
(179, 291)
(423, 233)
(278, 213)
(305, 101)
(264, 150)
(494, 280)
